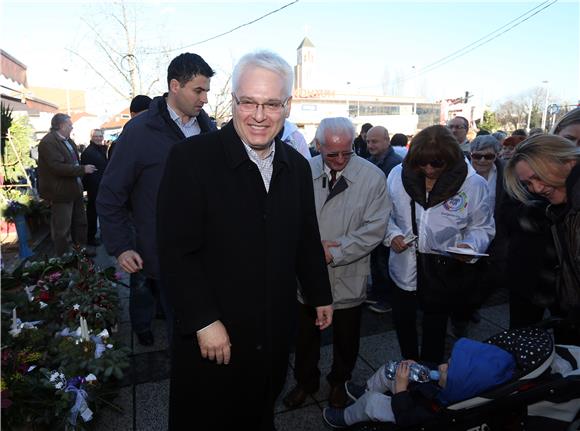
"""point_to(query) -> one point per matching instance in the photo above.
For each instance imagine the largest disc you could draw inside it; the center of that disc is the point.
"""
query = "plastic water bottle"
(417, 372)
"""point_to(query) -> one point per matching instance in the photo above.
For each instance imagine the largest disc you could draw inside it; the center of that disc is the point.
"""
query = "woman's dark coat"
(232, 252)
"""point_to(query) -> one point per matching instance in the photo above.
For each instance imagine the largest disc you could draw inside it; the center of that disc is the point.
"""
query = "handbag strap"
(414, 218)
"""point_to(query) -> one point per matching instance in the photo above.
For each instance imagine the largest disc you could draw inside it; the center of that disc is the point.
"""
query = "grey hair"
(57, 121)
(336, 125)
(499, 135)
(538, 152)
(483, 142)
(266, 60)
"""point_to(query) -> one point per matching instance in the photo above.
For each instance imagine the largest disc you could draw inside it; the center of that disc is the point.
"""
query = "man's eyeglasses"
(455, 126)
(344, 154)
(434, 164)
(479, 156)
(251, 106)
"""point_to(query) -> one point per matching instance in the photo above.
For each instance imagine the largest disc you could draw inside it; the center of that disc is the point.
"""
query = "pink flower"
(54, 277)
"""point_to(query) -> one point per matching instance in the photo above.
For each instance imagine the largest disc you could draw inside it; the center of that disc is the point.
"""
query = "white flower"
(59, 385)
(109, 346)
(91, 378)
(76, 307)
(54, 376)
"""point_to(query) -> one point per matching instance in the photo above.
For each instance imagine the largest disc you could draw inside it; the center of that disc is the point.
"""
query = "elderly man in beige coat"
(352, 208)
(59, 179)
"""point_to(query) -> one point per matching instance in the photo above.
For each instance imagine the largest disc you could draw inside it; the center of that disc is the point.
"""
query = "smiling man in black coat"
(236, 229)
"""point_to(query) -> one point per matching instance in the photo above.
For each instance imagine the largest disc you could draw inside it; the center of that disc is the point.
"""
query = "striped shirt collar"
(190, 128)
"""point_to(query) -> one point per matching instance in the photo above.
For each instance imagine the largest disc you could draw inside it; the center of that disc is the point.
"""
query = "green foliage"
(21, 133)
(14, 203)
(489, 123)
(44, 358)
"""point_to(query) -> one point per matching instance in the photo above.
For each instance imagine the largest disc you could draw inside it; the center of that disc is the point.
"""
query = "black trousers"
(345, 339)
(382, 284)
(91, 216)
(434, 328)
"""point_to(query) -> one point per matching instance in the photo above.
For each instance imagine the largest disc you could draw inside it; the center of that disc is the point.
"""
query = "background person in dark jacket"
(237, 228)
(360, 142)
(59, 180)
(385, 158)
(95, 154)
(132, 179)
(139, 104)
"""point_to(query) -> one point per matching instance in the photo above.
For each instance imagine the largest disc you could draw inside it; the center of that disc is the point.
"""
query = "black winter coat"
(94, 155)
(231, 251)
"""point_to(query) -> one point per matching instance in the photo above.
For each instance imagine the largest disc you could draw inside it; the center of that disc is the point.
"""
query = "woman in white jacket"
(450, 204)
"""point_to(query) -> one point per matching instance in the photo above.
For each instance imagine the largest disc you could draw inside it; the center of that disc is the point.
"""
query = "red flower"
(44, 296)
(6, 402)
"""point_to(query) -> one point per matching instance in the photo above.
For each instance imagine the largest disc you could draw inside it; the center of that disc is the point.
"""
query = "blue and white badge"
(456, 203)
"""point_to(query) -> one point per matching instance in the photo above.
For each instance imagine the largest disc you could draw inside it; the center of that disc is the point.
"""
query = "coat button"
(264, 216)
(259, 347)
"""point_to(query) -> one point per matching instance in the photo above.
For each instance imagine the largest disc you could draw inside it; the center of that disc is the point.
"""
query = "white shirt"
(265, 165)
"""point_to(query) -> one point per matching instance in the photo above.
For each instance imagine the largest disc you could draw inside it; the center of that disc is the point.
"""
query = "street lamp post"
(414, 89)
(545, 111)
(67, 94)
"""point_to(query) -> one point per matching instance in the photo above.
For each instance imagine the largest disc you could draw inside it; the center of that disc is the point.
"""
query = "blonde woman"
(547, 166)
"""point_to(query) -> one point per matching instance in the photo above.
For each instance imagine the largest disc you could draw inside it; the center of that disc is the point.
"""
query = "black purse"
(443, 282)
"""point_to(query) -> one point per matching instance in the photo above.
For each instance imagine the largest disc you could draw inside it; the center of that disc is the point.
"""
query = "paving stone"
(152, 402)
(109, 419)
(377, 349)
(307, 418)
(150, 367)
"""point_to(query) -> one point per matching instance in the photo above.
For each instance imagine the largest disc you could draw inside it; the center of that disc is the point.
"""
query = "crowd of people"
(248, 243)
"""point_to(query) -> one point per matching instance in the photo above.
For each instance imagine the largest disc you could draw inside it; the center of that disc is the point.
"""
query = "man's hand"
(89, 169)
(324, 316)
(130, 261)
(214, 343)
(402, 376)
(327, 254)
(398, 244)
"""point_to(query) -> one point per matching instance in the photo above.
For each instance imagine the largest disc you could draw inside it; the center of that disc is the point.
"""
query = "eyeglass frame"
(344, 154)
(486, 156)
(256, 105)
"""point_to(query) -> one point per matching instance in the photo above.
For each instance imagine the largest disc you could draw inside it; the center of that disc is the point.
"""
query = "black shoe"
(334, 417)
(146, 338)
(337, 397)
(296, 397)
(380, 307)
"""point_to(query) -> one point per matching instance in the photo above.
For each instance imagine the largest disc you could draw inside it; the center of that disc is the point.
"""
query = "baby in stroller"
(473, 368)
